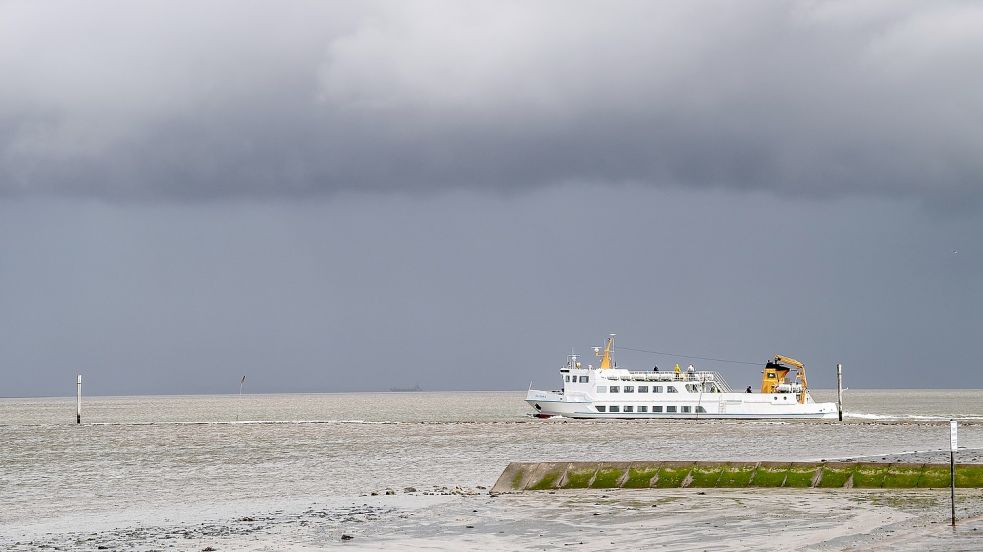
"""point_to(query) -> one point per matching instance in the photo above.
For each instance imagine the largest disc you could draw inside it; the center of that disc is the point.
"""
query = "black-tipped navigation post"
(241, 383)
(78, 400)
(952, 468)
(839, 390)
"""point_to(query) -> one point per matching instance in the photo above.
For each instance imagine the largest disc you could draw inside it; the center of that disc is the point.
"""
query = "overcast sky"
(335, 196)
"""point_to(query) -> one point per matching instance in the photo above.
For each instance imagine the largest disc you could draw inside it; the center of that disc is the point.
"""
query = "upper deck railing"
(693, 377)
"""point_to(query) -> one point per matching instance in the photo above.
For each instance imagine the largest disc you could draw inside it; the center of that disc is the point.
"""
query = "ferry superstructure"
(611, 392)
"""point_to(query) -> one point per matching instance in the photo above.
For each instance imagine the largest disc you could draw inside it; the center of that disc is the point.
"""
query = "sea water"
(148, 461)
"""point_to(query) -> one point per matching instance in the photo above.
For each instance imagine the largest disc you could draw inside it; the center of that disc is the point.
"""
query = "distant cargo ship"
(414, 389)
(610, 392)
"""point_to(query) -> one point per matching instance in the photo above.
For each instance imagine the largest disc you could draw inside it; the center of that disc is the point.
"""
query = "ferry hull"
(724, 406)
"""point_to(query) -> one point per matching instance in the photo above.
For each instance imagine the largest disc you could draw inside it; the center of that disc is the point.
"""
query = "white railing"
(719, 379)
(698, 376)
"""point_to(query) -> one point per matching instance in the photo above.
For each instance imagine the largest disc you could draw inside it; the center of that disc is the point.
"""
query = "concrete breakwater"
(541, 476)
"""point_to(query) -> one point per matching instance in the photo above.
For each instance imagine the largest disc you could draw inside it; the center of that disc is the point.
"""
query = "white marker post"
(78, 400)
(953, 425)
(839, 390)
(241, 383)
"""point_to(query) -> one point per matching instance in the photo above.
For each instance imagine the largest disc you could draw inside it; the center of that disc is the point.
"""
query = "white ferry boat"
(611, 392)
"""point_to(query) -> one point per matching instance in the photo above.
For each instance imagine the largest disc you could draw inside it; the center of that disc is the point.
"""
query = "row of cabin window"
(573, 379)
(631, 389)
(643, 409)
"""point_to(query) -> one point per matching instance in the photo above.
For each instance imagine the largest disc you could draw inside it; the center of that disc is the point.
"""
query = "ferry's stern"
(575, 397)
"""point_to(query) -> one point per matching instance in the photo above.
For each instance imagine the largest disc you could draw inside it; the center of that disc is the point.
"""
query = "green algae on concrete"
(836, 476)
(933, 477)
(800, 476)
(869, 476)
(641, 477)
(736, 475)
(548, 481)
(579, 478)
(517, 480)
(633, 475)
(903, 476)
(769, 475)
(970, 476)
(704, 476)
(671, 477)
(607, 478)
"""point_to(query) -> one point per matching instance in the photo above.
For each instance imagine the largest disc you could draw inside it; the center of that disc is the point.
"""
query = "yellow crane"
(606, 362)
(775, 371)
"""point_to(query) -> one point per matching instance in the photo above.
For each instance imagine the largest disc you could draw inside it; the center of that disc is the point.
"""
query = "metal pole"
(839, 389)
(78, 400)
(952, 485)
(241, 383)
(953, 445)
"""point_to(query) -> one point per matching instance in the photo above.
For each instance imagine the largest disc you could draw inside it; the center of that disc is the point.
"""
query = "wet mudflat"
(298, 472)
(714, 519)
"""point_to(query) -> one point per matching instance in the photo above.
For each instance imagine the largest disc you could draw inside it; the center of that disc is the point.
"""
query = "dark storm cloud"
(251, 99)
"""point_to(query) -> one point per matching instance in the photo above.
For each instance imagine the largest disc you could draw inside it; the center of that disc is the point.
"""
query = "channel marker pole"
(78, 400)
(839, 389)
(952, 468)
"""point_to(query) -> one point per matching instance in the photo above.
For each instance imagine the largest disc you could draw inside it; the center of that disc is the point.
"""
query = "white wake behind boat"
(611, 392)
